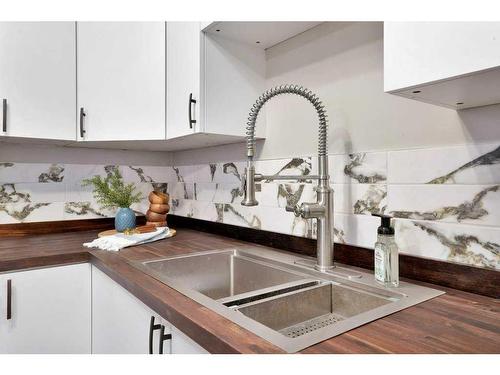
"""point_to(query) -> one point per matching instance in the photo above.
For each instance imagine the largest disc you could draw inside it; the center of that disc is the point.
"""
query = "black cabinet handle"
(4, 115)
(190, 110)
(82, 115)
(163, 337)
(9, 299)
(152, 327)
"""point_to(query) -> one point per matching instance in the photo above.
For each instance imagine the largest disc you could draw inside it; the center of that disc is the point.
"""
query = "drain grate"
(311, 325)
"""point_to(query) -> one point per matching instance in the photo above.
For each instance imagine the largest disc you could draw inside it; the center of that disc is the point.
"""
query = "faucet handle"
(296, 209)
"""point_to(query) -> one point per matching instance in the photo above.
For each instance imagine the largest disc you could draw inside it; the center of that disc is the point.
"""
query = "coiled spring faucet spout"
(322, 209)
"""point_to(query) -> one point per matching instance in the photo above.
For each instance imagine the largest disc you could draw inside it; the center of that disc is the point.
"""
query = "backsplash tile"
(362, 167)
(76, 173)
(31, 172)
(357, 230)
(11, 213)
(468, 244)
(360, 198)
(446, 201)
(472, 204)
(301, 166)
(31, 192)
(286, 194)
(470, 164)
(84, 210)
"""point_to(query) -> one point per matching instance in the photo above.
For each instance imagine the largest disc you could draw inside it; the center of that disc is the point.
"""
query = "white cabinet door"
(121, 80)
(50, 310)
(121, 322)
(416, 53)
(451, 64)
(38, 80)
(183, 78)
(223, 76)
(181, 344)
(233, 78)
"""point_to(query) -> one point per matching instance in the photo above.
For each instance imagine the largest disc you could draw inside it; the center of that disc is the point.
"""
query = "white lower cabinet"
(181, 344)
(121, 323)
(46, 310)
(79, 309)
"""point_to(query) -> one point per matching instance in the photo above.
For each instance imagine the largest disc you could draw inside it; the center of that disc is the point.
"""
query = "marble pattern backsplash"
(446, 201)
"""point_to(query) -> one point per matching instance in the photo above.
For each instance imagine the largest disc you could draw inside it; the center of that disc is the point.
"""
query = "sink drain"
(311, 325)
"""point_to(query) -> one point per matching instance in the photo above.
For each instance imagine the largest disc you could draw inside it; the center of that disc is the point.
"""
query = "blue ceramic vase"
(124, 219)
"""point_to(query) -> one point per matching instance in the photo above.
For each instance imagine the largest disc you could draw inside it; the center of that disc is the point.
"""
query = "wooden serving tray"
(141, 229)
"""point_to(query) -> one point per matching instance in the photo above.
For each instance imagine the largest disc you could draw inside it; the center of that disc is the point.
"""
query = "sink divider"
(239, 300)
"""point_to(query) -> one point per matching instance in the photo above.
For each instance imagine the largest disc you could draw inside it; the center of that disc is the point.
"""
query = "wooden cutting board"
(141, 229)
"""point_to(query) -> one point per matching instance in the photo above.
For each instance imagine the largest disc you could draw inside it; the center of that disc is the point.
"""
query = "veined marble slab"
(446, 200)
(472, 164)
(362, 168)
(32, 192)
(30, 212)
(31, 172)
(360, 198)
(85, 210)
(467, 244)
(76, 173)
(151, 174)
(471, 204)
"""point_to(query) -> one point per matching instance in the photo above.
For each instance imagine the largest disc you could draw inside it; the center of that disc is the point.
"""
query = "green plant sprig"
(112, 192)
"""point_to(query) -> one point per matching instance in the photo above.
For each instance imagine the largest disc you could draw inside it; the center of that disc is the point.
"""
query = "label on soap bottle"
(379, 264)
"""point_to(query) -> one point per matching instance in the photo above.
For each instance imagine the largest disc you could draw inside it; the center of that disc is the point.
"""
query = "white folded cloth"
(119, 241)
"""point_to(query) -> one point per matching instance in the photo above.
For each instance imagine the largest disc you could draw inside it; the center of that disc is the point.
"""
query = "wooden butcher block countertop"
(456, 322)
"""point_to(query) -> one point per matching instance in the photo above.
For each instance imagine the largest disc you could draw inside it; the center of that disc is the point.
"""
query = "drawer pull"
(152, 327)
(4, 115)
(9, 299)
(82, 129)
(190, 110)
(163, 337)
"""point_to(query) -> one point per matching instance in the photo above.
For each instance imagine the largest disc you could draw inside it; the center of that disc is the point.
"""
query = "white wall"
(343, 63)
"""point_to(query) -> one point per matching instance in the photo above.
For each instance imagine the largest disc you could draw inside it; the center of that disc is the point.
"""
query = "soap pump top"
(385, 228)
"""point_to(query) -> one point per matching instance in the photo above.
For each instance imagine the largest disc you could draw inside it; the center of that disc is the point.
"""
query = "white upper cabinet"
(121, 81)
(37, 80)
(183, 78)
(223, 76)
(453, 64)
(212, 82)
(155, 86)
(233, 78)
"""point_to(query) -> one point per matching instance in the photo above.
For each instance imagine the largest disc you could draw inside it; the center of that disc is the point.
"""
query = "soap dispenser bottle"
(386, 254)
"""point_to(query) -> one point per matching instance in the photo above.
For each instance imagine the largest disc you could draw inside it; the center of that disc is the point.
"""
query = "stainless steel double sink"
(275, 296)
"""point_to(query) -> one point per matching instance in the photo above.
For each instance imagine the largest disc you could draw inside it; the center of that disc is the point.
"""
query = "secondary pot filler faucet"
(322, 209)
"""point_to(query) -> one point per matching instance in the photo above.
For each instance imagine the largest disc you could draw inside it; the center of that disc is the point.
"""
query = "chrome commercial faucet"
(322, 209)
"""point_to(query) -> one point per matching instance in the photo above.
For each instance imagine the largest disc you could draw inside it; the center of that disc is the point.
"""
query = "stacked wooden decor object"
(158, 209)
